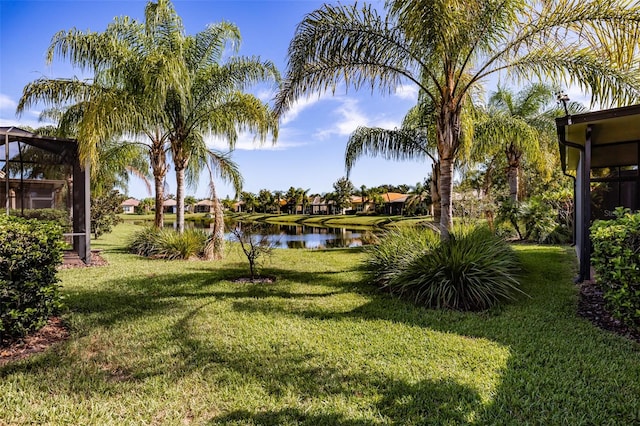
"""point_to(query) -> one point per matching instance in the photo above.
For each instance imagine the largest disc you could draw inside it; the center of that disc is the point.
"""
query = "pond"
(307, 237)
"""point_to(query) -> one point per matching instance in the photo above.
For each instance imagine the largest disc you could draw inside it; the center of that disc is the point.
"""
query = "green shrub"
(30, 252)
(616, 260)
(168, 243)
(539, 219)
(104, 212)
(474, 270)
(533, 220)
(396, 248)
(173, 245)
(61, 217)
(144, 242)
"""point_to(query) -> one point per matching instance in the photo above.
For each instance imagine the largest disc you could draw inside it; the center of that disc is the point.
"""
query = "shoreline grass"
(338, 221)
(160, 342)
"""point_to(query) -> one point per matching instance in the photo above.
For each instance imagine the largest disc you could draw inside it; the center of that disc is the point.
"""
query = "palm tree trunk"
(434, 189)
(159, 167)
(180, 199)
(514, 182)
(159, 188)
(448, 136)
(446, 202)
(215, 245)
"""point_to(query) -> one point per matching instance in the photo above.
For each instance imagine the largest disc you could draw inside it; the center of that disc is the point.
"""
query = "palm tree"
(342, 190)
(363, 196)
(448, 49)
(515, 124)
(132, 69)
(414, 140)
(151, 79)
(214, 102)
(418, 200)
(292, 196)
(303, 195)
(277, 197)
(249, 200)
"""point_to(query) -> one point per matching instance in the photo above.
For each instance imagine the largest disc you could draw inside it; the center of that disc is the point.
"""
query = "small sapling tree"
(254, 243)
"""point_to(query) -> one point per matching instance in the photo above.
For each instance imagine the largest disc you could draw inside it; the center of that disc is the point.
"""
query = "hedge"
(30, 252)
(616, 260)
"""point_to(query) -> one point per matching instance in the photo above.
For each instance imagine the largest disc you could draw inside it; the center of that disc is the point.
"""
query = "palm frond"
(397, 144)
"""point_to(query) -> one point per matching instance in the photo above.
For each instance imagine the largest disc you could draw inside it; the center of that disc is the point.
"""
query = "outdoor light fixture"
(564, 98)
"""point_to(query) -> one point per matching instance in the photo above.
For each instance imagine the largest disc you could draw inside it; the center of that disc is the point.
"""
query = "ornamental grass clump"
(168, 243)
(473, 270)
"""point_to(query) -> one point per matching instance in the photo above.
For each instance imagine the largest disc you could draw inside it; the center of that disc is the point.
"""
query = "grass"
(338, 221)
(160, 342)
(351, 221)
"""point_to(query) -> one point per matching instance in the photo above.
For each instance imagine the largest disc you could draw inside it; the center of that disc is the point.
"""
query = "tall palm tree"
(418, 200)
(515, 124)
(363, 196)
(151, 79)
(449, 48)
(132, 69)
(415, 139)
(210, 100)
(277, 197)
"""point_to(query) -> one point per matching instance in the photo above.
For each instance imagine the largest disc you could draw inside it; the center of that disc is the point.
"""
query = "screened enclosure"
(601, 152)
(43, 173)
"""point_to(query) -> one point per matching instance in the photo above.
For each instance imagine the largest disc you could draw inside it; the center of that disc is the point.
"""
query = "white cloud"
(265, 95)
(300, 105)
(351, 116)
(6, 103)
(247, 142)
(408, 92)
(23, 122)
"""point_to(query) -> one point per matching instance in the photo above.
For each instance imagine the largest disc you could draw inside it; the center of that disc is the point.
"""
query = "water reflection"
(302, 236)
(309, 237)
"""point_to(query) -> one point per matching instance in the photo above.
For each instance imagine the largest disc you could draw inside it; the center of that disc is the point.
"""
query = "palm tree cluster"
(449, 50)
(298, 200)
(154, 83)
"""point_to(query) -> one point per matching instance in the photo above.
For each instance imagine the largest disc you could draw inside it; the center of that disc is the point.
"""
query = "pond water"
(308, 237)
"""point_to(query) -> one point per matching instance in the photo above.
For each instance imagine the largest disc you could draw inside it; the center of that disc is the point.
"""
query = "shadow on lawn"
(402, 403)
(279, 371)
(560, 371)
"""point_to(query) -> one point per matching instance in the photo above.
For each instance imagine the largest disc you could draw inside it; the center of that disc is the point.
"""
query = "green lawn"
(159, 342)
(351, 221)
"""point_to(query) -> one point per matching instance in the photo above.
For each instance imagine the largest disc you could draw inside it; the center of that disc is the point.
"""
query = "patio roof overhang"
(618, 129)
(67, 152)
(600, 139)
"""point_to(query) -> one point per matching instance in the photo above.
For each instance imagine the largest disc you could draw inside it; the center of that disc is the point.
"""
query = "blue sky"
(309, 152)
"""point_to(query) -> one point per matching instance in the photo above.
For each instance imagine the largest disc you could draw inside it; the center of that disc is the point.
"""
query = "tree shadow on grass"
(117, 301)
(560, 369)
(424, 402)
(281, 371)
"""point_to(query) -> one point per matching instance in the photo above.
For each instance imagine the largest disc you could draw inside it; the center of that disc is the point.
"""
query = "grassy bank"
(338, 221)
(352, 221)
(158, 342)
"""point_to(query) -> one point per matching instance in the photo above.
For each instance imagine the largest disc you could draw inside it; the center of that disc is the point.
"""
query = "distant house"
(394, 202)
(238, 207)
(129, 205)
(170, 206)
(203, 206)
(319, 205)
